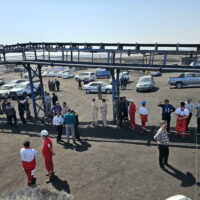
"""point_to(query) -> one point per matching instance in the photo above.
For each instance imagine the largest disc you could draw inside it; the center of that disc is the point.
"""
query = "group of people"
(54, 85)
(71, 122)
(122, 107)
(10, 111)
(28, 158)
(123, 82)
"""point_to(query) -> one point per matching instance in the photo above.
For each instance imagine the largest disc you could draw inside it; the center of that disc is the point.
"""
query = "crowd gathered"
(124, 112)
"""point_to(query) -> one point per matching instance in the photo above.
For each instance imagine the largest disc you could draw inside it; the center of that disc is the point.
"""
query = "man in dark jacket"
(167, 109)
(21, 109)
(77, 134)
(57, 82)
(99, 91)
(54, 98)
(11, 114)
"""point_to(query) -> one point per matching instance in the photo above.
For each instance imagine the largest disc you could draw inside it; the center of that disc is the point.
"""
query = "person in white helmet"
(28, 162)
(48, 152)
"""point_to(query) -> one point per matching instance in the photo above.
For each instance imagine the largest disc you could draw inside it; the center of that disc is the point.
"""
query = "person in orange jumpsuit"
(48, 152)
(132, 110)
(181, 121)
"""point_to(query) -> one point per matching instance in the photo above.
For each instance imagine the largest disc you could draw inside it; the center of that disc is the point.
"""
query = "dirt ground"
(110, 163)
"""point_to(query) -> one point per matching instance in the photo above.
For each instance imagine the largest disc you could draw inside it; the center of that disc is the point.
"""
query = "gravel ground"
(111, 163)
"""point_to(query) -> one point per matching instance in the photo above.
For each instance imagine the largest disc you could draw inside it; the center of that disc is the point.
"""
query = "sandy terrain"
(111, 163)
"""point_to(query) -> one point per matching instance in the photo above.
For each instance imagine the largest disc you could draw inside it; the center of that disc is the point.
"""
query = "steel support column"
(113, 89)
(42, 88)
(28, 67)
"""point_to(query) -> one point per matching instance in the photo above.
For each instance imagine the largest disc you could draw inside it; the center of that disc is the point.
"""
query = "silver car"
(145, 83)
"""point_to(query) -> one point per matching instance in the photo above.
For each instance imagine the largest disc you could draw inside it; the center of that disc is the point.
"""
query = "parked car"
(178, 197)
(124, 74)
(86, 76)
(1, 81)
(185, 80)
(92, 87)
(5, 91)
(68, 75)
(45, 73)
(102, 73)
(23, 89)
(145, 83)
(195, 64)
(15, 82)
(155, 73)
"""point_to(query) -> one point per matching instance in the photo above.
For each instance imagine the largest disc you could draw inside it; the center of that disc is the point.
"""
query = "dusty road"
(111, 163)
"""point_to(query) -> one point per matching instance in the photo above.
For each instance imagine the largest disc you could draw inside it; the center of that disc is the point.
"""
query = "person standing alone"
(28, 162)
(163, 144)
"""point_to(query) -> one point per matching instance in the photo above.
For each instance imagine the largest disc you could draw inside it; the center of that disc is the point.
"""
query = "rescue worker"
(28, 162)
(103, 111)
(95, 109)
(48, 152)
(167, 109)
(132, 110)
(189, 105)
(143, 115)
(182, 114)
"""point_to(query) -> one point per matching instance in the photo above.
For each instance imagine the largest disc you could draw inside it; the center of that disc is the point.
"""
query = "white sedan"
(68, 75)
(93, 87)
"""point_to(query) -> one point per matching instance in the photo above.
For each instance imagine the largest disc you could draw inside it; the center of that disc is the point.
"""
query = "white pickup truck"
(185, 80)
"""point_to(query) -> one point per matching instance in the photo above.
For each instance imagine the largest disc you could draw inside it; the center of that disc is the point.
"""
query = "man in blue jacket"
(69, 122)
(167, 109)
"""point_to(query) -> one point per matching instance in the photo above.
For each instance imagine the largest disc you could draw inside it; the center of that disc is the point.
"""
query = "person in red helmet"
(132, 110)
(181, 121)
(48, 152)
(28, 162)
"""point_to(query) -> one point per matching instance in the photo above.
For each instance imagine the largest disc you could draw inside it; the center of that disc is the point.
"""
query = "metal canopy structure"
(111, 56)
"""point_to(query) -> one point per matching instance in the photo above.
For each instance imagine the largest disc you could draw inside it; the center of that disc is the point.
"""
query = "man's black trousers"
(163, 154)
(59, 131)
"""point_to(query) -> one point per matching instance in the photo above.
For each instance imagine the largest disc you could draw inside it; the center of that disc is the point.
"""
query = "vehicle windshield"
(12, 82)
(21, 86)
(181, 75)
(5, 88)
(145, 80)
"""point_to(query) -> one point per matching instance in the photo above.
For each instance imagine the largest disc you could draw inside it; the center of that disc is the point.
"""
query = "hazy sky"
(130, 21)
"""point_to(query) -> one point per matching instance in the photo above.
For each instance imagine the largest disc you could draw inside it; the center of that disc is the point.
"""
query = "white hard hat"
(44, 133)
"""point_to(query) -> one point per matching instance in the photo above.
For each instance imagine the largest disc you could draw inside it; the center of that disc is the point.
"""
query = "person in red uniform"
(181, 121)
(48, 152)
(132, 110)
(28, 162)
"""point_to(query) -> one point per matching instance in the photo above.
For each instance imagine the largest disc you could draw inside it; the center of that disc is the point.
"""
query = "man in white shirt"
(58, 122)
(189, 105)
(28, 162)
(103, 111)
(143, 115)
(182, 114)
(94, 107)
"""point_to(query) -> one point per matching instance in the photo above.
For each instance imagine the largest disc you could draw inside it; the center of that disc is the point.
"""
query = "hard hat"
(44, 133)
(143, 102)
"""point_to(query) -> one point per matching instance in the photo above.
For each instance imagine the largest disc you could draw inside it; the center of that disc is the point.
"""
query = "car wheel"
(137, 90)
(108, 91)
(87, 91)
(6, 96)
(179, 85)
